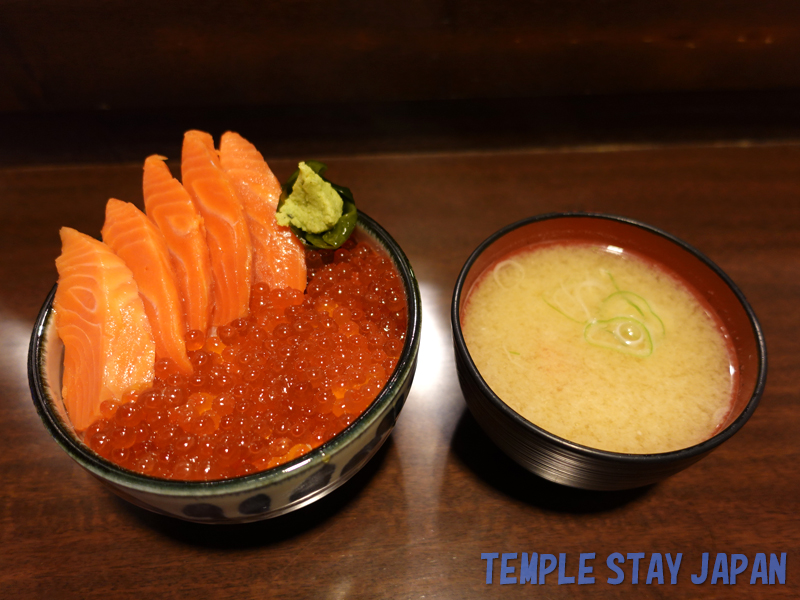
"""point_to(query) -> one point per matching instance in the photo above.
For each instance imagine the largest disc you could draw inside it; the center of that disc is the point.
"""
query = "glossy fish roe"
(270, 387)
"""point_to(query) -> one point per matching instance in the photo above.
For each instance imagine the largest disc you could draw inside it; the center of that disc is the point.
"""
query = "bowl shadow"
(481, 455)
(266, 532)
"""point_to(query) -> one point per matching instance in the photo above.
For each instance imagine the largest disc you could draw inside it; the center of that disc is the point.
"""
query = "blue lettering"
(505, 570)
(696, 579)
(635, 556)
(489, 558)
(585, 570)
(673, 567)
(656, 569)
(562, 570)
(527, 570)
(611, 563)
(547, 564)
(720, 568)
(738, 565)
(759, 569)
(777, 568)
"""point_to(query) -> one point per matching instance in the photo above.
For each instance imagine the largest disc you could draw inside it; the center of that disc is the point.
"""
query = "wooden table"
(415, 521)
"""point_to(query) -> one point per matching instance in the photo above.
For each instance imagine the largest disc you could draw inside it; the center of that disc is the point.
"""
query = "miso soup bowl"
(566, 462)
(253, 497)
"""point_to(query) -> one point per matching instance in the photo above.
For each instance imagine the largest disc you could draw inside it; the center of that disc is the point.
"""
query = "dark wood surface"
(414, 522)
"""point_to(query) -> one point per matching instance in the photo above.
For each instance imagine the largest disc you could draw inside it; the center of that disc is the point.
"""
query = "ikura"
(269, 388)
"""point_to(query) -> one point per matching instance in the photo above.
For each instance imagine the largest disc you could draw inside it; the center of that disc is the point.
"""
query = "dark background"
(106, 55)
(97, 80)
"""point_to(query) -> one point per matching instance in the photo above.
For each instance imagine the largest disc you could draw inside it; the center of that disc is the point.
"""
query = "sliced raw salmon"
(136, 240)
(170, 207)
(279, 259)
(227, 233)
(100, 317)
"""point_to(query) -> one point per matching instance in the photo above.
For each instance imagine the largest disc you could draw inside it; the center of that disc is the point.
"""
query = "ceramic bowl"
(566, 462)
(254, 497)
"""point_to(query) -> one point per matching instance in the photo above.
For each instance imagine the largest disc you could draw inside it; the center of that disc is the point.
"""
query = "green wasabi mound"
(313, 206)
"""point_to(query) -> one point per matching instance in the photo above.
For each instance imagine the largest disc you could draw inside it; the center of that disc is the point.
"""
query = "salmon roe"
(269, 388)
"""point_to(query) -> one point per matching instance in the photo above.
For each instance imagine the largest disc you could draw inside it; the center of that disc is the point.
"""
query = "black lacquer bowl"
(566, 462)
(253, 497)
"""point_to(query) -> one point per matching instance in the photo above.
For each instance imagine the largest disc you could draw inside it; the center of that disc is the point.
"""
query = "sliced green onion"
(614, 334)
(635, 301)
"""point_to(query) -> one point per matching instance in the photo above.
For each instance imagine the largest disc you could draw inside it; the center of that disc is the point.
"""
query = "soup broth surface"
(598, 346)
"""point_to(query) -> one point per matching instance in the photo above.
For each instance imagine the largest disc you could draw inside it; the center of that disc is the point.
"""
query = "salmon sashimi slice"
(108, 343)
(227, 233)
(279, 259)
(170, 207)
(136, 240)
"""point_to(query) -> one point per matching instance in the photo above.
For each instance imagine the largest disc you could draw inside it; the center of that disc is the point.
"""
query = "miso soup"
(601, 347)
